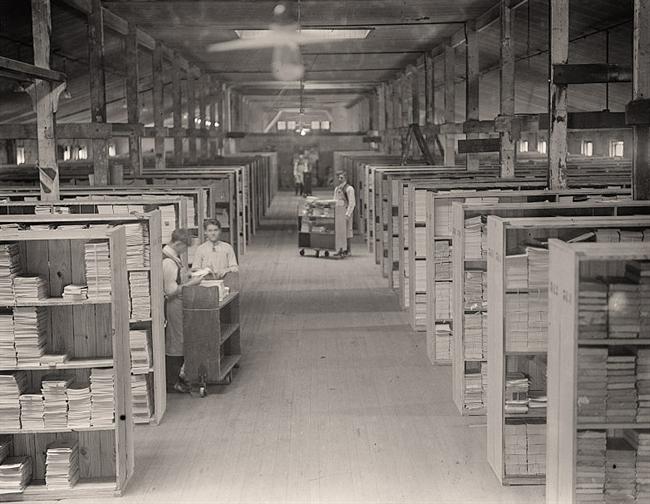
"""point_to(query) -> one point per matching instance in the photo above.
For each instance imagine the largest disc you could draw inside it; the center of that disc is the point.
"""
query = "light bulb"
(287, 62)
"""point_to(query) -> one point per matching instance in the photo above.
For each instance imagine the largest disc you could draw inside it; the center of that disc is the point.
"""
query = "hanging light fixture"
(301, 127)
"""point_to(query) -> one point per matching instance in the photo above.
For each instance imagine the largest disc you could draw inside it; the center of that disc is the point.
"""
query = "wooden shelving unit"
(92, 335)
(154, 324)
(508, 236)
(463, 211)
(569, 264)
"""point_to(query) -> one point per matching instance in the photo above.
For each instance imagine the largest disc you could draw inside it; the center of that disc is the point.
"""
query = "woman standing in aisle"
(175, 277)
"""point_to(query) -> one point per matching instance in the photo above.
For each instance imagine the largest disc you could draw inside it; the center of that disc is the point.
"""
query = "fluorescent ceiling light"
(326, 34)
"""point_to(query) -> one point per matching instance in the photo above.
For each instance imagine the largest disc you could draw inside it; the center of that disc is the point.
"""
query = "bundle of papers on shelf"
(442, 217)
(442, 250)
(624, 309)
(141, 357)
(442, 270)
(168, 221)
(395, 249)
(443, 300)
(15, 474)
(75, 292)
(444, 342)
(591, 464)
(30, 288)
(620, 473)
(420, 276)
(641, 440)
(32, 411)
(536, 448)
(98, 269)
(538, 320)
(515, 449)
(420, 309)
(12, 387)
(139, 295)
(10, 268)
(7, 341)
(621, 388)
(592, 384)
(62, 465)
(135, 241)
(141, 399)
(537, 267)
(592, 310)
(537, 403)
(607, 235)
(101, 395)
(30, 324)
(473, 336)
(516, 267)
(53, 359)
(643, 384)
(639, 272)
(475, 297)
(473, 238)
(630, 236)
(420, 242)
(516, 322)
(54, 390)
(420, 205)
(79, 405)
(516, 393)
(474, 396)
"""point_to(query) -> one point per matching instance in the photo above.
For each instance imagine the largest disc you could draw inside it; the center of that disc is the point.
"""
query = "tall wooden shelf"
(508, 236)
(463, 211)
(155, 324)
(92, 335)
(569, 263)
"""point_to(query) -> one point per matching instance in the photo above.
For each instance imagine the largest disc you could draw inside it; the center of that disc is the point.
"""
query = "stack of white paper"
(139, 290)
(620, 474)
(538, 320)
(420, 308)
(442, 217)
(11, 387)
(442, 250)
(420, 205)
(642, 443)
(537, 403)
(98, 269)
(101, 394)
(516, 267)
(537, 268)
(624, 309)
(32, 411)
(62, 465)
(9, 269)
(15, 474)
(30, 288)
(473, 336)
(592, 305)
(631, 236)
(421, 276)
(591, 465)
(75, 292)
(141, 358)
(79, 405)
(30, 335)
(443, 300)
(442, 270)
(168, 221)
(621, 388)
(516, 393)
(592, 384)
(607, 235)
(536, 448)
(515, 449)
(141, 399)
(7, 341)
(473, 391)
(473, 239)
(643, 385)
(639, 272)
(54, 390)
(420, 242)
(444, 342)
(474, 296)
(516, 322)
(134, 245)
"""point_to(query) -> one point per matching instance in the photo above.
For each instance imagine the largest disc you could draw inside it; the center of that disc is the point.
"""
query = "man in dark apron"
(175, 277)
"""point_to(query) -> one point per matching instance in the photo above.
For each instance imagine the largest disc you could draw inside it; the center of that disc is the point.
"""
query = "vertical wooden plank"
(60, 275)
(100, 162)
(558, 114)
(158, 106)
(191, 115)
(641, 91)
(177, 106)
(96, 62)
(472, 82)
(203, 89)
(404, 95)
(507, 91)
(415, 96)
(213, 117)
(45, 102)
(372, 111)
(450, 103)
(133, 97)
(381, 108)
(429, 94)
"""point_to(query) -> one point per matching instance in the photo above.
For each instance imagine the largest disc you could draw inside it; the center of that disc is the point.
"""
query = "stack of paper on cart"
(79, 405)
(15, 474)
(639, 272)
(473, 238)
(32, 411)
(139, 295)
(62, 464)
(30, 288)
(620, 473)
(98, 269)
(54, 390)
(591, 462)
(516, 322)
(141, 399)
(9, 269)
(101, 395)
(592, 384)
(12, 386)
(624, 309)
(141, 357)
(592, 310)
(7, 341)
(30, 333)
(621, 388)
(516, 267)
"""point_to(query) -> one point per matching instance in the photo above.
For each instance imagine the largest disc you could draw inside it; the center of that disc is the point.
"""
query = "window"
(523, 145)
(315, 125)
(83, 152)
(67, 153)
(111, 151)
(325, 125)
(616, 148)
(541, 146)
(291, 125)
(20, 155)
(282, 125)
(587, 148)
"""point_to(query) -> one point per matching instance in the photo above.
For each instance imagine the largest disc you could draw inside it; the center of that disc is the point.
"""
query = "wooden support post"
(472, 88)
(415, 96)
(390, 109)
(429, 93)
(191, 115)
(203, 96)
(158, 106)
(557, 147)
(372, 110)
(507, 92)
(381, 107)
(641, 91)
(213, 97)
(97, 89)
(45, 103)
(177, 111)
(133, 97)
(450, 103)
(404, 93)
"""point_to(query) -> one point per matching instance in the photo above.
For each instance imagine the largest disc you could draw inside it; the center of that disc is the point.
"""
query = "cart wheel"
(327, 254)
(203, 391)
(302, 252)
(318, 253)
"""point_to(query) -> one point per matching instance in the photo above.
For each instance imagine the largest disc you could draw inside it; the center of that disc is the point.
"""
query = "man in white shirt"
(215, 254)
(345, 192)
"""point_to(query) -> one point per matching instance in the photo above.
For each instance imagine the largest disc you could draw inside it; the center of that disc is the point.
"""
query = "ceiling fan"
(285, 37)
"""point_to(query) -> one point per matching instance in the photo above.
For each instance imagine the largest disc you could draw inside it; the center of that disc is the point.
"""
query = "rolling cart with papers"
(322, 227)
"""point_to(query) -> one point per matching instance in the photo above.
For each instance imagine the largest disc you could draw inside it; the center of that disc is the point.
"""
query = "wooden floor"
(335, 401)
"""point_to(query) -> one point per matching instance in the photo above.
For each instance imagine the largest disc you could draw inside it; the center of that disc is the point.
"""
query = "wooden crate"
(507, 236)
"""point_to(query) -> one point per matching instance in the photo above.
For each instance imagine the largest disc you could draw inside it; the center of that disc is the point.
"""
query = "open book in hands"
(203, 273)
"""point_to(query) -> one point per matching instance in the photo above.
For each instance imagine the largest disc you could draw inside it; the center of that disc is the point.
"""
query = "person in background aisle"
(298, 176)
(345, 192)
(306, 174)
(215, 254)
(175, 277)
